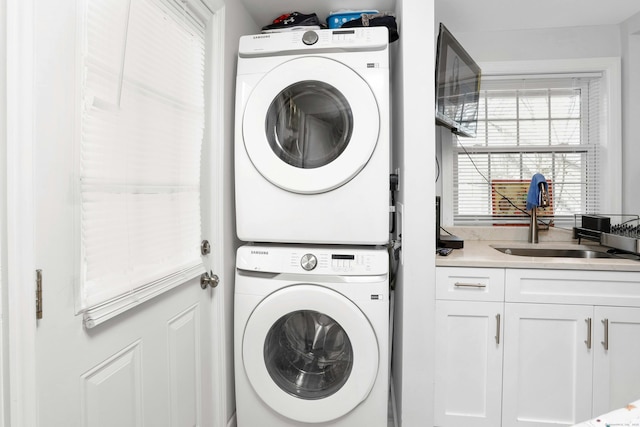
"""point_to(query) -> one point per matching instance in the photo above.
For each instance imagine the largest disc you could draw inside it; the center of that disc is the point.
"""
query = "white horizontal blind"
(547, 125)
(142, 126)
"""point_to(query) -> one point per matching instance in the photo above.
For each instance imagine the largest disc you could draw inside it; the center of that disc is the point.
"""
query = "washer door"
(310, 125)
(310, 353)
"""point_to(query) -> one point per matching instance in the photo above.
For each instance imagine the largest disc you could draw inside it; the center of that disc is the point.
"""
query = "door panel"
(345, 319)
(118, 381)
(468, 364)
(616, 371)
(547, 365)
(305, 124)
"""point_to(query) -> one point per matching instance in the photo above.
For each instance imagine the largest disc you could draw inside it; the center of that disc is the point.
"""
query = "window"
(561, 123)
(142, 126)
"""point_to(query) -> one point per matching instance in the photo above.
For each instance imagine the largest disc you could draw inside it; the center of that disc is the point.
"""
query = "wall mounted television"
(457, 86)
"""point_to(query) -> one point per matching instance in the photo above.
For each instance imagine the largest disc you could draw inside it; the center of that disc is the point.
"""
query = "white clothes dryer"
(311, 336)
(312, 156)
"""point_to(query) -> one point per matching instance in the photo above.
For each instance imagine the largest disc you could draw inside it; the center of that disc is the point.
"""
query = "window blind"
(527, 125)
(142, 125)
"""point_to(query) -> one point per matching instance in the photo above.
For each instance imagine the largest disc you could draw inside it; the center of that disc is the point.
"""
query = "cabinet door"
(547, 365)
(468, 364)
(616, 371)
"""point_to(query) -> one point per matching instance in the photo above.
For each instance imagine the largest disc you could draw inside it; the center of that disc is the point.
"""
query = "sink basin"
(554, 252)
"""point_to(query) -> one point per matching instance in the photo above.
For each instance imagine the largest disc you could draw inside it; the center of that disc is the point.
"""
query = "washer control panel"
(342, 262)
(330, 260)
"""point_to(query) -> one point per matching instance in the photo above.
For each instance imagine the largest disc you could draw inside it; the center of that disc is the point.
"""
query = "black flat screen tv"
(457, 86)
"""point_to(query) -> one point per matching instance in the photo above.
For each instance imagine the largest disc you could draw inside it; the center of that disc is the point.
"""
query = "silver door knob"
(207, 280)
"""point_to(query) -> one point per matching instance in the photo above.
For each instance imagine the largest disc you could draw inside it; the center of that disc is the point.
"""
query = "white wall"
(238, 22)
(3, 198)
(414, 141)
(630, 37)
(553, 43)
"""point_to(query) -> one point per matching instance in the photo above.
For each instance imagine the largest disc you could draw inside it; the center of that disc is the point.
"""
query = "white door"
(547, 365)
(616, 371)
(322, 125)
(310, 353)
(151, 365)
(468, 364)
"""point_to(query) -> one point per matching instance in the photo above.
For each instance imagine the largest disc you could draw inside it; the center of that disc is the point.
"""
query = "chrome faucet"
(543, 203)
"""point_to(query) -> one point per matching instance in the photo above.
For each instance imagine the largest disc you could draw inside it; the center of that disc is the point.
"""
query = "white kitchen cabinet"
(547, 364)
(584, 379)
(616, 369)
(468, 380)
(567, 349)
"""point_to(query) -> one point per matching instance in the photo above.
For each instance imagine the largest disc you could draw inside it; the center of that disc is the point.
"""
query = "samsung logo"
(261, 36)
(259, 252)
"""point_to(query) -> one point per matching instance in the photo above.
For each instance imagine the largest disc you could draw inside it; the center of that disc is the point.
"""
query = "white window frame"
(610, 126)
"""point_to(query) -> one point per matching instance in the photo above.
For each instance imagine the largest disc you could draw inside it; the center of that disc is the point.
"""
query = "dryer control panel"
(295, 42)
(330, 260)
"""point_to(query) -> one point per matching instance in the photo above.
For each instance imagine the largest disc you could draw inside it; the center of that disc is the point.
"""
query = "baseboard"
(232, 421)
(392, 396)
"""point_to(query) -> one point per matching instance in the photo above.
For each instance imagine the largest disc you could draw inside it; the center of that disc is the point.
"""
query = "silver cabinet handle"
(605, 343)
(588, 340)
(497, 328)
(469, 285)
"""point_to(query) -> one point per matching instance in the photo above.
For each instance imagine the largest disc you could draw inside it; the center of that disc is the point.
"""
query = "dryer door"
(310, 353)
(310, 125)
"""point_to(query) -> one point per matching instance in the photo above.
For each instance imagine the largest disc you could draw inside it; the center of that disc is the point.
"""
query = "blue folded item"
(533, 197)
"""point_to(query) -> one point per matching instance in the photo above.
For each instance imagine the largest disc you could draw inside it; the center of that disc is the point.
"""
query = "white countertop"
(628, 416)
(480, 253)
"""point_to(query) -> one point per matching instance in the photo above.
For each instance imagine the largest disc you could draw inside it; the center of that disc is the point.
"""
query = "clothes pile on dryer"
(294, 21)
(343, 18)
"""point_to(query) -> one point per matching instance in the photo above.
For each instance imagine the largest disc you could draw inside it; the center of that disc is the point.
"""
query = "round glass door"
(310, 353)
(310, 125)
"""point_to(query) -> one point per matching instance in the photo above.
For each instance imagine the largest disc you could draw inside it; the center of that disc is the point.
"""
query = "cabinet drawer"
(573, 287)
(470, 284)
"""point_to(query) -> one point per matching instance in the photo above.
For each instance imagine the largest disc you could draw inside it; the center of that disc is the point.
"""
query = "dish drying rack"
(623, 236)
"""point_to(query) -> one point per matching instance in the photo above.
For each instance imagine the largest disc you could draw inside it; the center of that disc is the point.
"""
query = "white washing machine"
(312, 137)
(311, 336)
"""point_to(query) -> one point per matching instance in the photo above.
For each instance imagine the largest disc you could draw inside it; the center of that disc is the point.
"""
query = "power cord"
(393, 188)
(394, 248)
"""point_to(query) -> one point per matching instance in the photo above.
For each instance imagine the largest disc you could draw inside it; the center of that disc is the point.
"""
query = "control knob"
(308, 262)
(309, 38)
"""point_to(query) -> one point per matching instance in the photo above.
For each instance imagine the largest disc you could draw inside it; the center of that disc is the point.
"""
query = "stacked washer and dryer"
(312, 162)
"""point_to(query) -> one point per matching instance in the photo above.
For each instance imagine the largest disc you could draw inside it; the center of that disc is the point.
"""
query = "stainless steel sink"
(553, 252)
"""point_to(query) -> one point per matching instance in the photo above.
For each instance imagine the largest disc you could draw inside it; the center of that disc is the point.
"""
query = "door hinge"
(38, 294)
